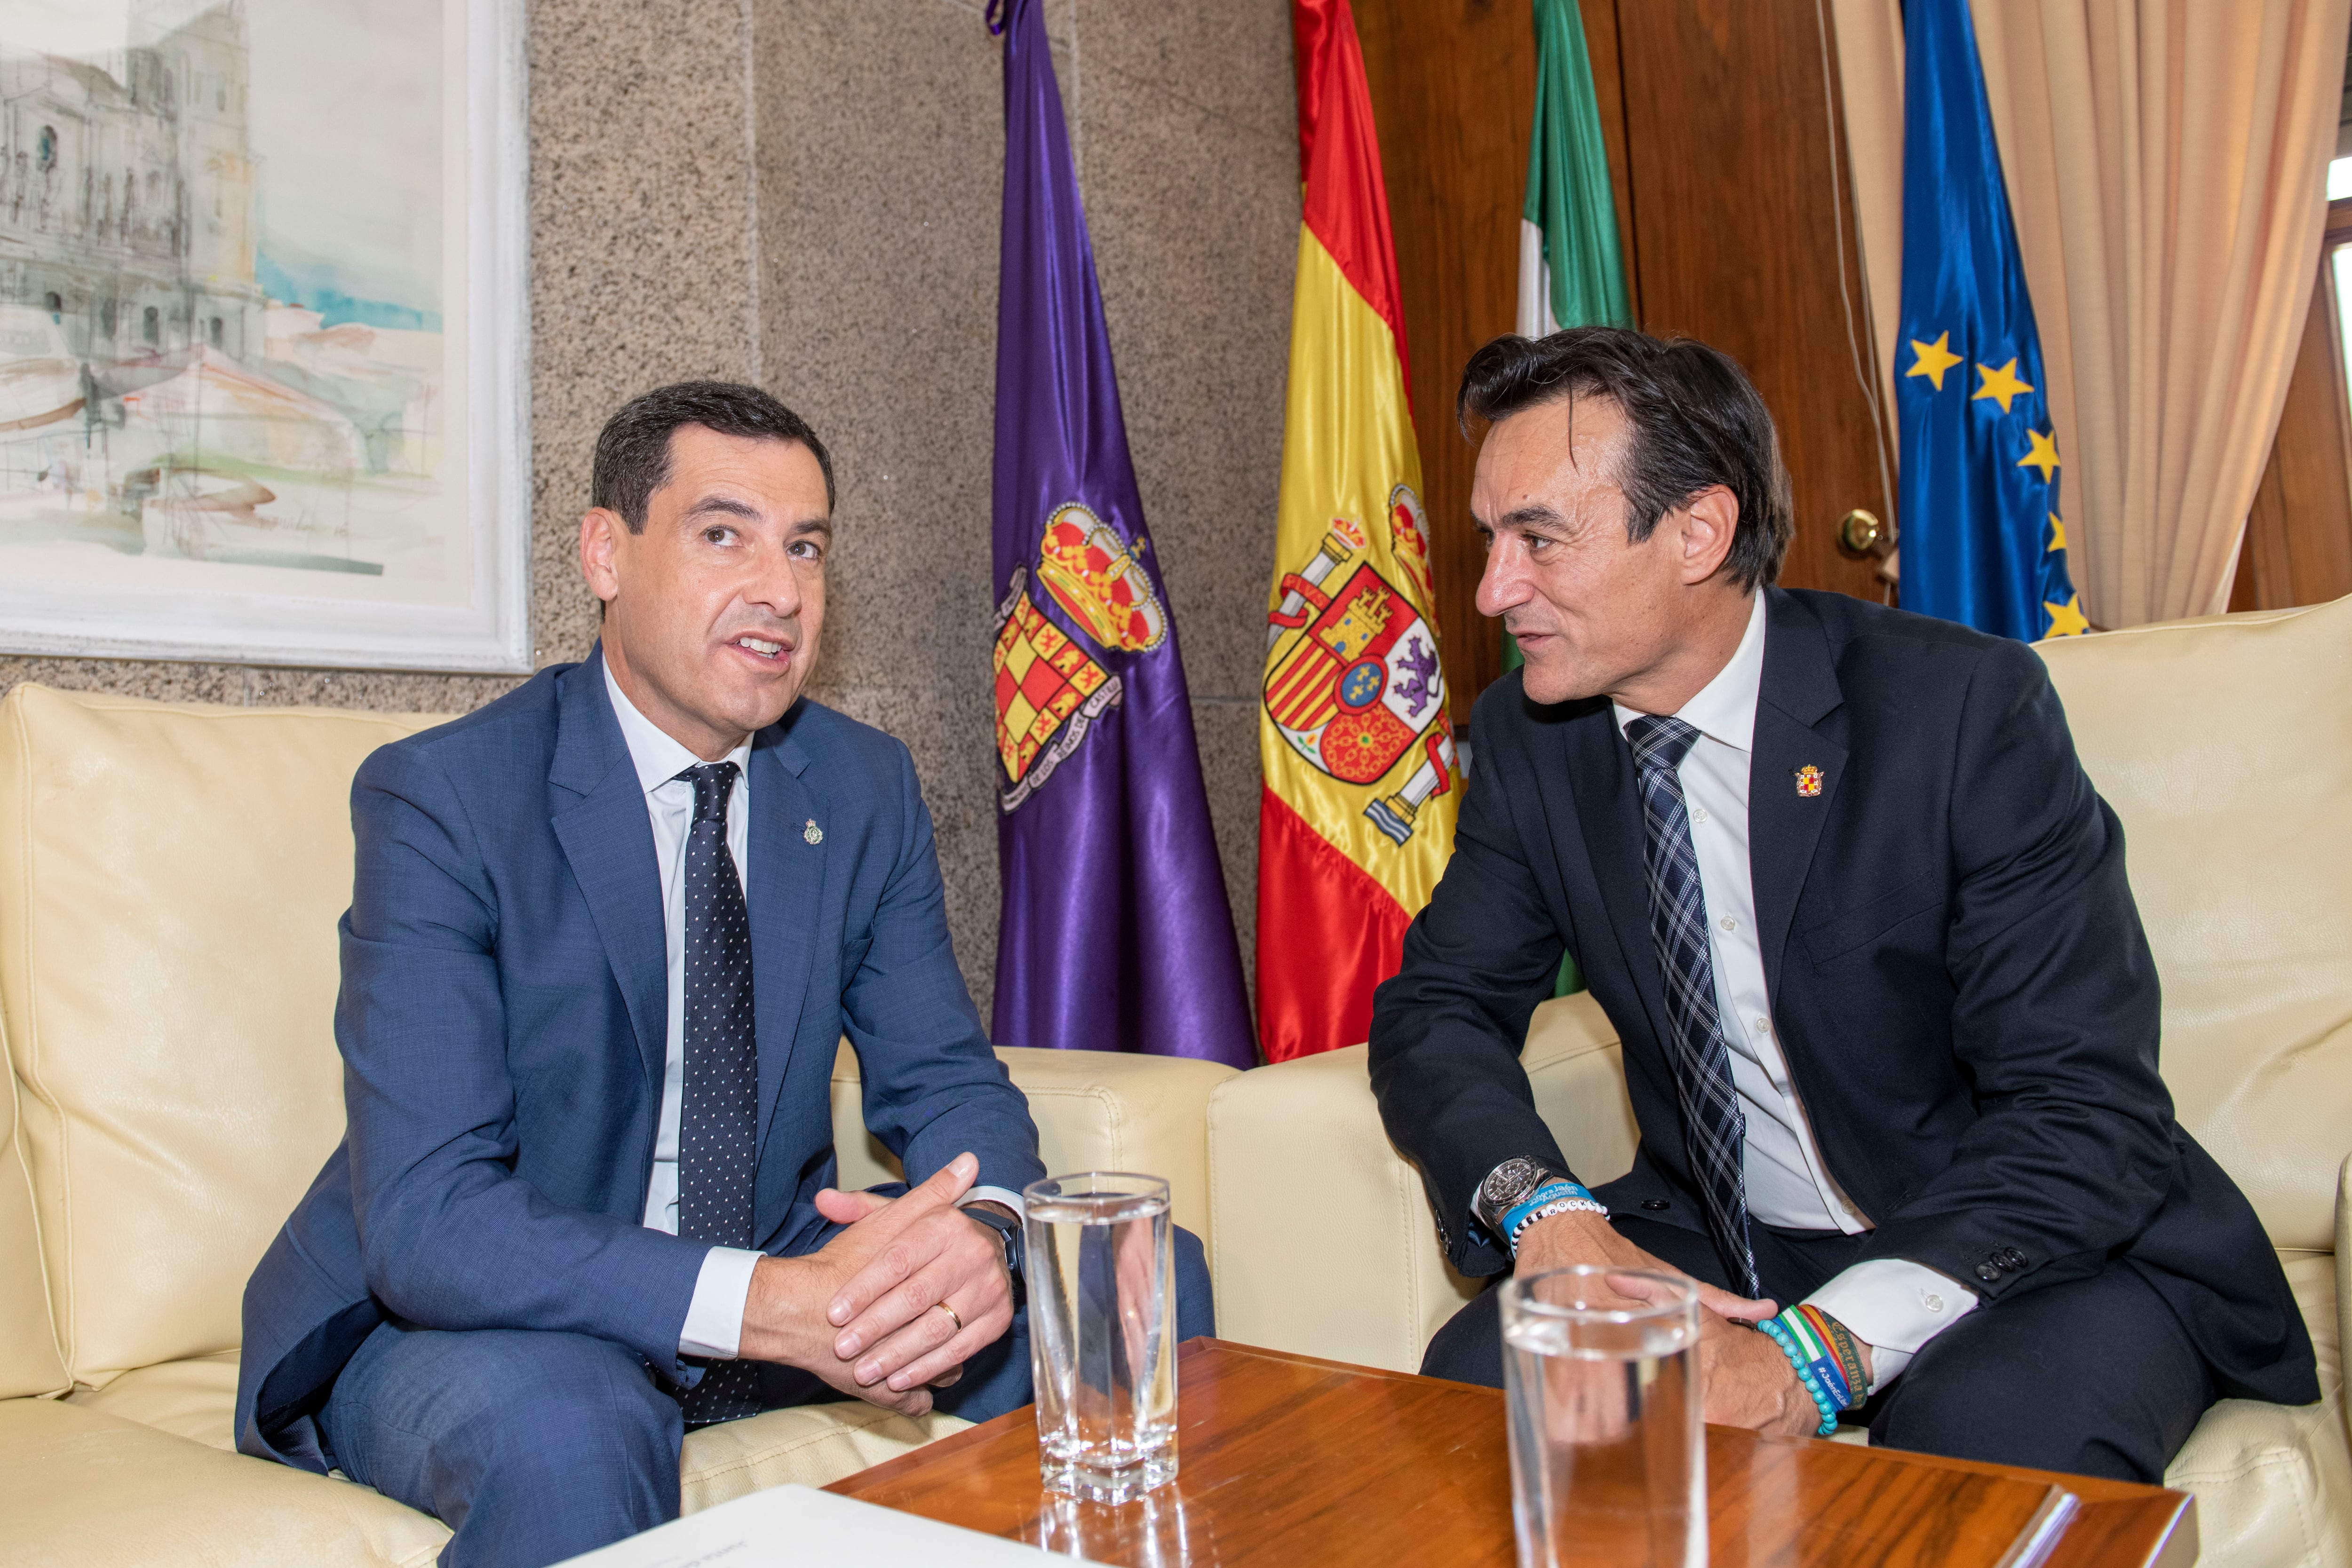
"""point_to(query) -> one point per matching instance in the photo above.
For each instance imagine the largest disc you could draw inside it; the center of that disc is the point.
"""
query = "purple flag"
(1116, 934)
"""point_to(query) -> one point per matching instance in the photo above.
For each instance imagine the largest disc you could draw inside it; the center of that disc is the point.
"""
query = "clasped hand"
(863, 1312)
(1745, 1379)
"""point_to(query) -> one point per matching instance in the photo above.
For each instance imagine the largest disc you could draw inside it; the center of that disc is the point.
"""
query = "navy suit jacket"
(1957, 970)
(503, 1023)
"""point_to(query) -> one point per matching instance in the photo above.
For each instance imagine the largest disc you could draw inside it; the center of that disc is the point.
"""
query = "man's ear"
(599, 531)
(1710, 520)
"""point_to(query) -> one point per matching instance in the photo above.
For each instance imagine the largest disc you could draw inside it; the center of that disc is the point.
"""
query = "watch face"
(1511, 1182)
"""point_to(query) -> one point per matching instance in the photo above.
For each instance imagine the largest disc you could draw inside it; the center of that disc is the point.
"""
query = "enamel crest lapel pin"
(1809, 781)
(816, 835)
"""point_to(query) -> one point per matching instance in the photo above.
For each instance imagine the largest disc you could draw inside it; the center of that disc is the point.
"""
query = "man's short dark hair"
(1696, 423)
(633, 452)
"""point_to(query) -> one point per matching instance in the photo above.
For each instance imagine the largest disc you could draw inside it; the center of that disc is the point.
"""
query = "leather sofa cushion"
(170, 883)
(2273, 1482)
(130, 1474)
(1365, 1280)
(2223, 746)
(1094, 1111)
(29, 1362)
(812, 1444)
(80, 1487)
(196, 1399)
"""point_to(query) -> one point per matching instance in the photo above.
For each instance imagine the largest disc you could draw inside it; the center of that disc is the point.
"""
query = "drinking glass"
(1102, 1332)
(1608, 1455)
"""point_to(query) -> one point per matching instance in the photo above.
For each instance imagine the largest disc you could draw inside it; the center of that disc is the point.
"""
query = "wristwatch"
(1509, 1184)
(1008, 1230)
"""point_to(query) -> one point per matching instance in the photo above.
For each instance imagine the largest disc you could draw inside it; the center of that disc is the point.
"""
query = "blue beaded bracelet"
(1805, 1375)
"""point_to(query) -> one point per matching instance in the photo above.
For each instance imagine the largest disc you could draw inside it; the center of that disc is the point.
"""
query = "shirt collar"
(658, 759)
(1724, 708)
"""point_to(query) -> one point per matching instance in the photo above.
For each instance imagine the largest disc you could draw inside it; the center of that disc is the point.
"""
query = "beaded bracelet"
(1806, 1373)
(1558, 1195)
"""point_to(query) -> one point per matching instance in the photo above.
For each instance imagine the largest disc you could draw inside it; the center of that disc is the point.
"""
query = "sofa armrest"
(1577, 1072)
(1094, 1111)
(1324, 1242)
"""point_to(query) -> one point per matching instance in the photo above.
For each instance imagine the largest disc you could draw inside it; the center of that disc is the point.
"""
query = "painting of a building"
(154, 398)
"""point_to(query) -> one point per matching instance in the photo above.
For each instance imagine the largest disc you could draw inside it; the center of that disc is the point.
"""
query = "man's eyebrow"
(726, 504)
(1535, 515)
(811, 526)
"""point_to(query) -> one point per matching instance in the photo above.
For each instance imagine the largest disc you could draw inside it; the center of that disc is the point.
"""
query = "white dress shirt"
(1892, 1304)
(714, 1317)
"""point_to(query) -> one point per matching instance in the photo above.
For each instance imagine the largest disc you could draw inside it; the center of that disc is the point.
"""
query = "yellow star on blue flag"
(1979, 500)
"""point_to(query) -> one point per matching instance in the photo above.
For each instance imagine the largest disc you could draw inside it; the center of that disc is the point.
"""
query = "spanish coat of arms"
(1051, 688)
(1353, 682)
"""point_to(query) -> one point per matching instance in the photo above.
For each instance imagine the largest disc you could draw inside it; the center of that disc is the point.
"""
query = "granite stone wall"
(804, 193)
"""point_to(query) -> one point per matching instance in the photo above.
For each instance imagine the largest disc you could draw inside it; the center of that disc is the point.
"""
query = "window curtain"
(2167, 169)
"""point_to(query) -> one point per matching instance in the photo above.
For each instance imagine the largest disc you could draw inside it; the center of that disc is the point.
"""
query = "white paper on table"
(800, 1527)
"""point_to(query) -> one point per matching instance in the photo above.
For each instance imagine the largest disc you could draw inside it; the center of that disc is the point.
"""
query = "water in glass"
(1607, 1454)
(1102, 1332)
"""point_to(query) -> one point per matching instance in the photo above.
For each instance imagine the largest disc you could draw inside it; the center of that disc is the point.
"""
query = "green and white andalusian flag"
(1571, 270)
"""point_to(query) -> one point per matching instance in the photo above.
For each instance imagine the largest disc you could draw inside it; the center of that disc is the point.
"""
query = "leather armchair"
(2225, 746)
(170, 880)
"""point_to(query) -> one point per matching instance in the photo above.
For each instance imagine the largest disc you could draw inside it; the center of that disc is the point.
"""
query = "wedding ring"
(953, 1316)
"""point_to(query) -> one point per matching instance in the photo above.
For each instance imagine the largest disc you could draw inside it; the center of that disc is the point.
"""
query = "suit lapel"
(787, 885)
(1608, 807)
(609, 840)
(1784, 823)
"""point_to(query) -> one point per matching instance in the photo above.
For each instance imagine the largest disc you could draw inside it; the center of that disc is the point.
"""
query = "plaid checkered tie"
(1714, 1132)
(718, 1132)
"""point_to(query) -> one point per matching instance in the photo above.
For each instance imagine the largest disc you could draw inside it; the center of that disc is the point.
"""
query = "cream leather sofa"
(170, 879)
(2226, 747)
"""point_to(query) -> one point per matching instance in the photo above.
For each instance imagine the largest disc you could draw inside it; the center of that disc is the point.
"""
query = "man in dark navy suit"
(605, 934)
(1889, 1021)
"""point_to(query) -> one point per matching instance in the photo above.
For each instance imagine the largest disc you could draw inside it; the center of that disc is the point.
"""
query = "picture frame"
(263, 329)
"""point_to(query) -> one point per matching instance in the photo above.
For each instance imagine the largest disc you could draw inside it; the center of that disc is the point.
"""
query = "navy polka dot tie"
(718, 1133)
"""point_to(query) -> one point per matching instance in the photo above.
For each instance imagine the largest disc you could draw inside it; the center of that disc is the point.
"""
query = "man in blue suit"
(604, 937)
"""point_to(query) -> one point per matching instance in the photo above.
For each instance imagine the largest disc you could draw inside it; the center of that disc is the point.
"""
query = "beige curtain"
(2167, 167)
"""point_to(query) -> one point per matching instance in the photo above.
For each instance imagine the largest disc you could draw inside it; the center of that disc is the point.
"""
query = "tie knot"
(1660, 743)
(712, 781)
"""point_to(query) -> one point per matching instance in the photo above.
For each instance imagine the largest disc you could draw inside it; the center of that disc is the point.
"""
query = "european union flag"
(1982, 540)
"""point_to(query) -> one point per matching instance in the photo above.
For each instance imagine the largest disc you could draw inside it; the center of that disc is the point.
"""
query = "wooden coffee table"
(1291, 1461)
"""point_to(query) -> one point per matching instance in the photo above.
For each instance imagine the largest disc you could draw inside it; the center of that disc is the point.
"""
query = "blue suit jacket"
(503, 1022)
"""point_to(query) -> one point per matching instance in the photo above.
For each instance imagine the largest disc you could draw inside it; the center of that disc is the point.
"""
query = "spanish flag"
(1356, 817)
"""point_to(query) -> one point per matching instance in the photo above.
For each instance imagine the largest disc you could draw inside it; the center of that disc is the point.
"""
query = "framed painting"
(263, 328)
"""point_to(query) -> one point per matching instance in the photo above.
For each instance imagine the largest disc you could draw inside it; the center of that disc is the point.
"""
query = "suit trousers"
(2092, 1376)
(535, 1446)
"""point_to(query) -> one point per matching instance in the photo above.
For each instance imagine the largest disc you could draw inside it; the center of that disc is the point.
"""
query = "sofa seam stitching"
(60, 1325)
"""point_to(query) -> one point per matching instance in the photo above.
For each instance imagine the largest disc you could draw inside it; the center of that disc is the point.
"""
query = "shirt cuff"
(714, 1317)
(1893, 1306)
(1004, 1195)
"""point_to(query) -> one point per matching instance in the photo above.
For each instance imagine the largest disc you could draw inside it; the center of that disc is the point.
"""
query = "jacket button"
(1988, 1273)
(2011, 1258)
(1656, 1205)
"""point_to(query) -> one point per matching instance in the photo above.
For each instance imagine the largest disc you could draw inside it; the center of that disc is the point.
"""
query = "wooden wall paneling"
(1740, 223)
(1453, 85)
(1609, 97)
(2298, 543)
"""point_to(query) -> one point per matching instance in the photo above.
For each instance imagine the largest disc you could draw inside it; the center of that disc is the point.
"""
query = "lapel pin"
(1809, 781)
(815, 834)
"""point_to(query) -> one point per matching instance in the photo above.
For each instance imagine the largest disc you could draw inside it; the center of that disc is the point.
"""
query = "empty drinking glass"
(1102, 1332)
(1608, 1455)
